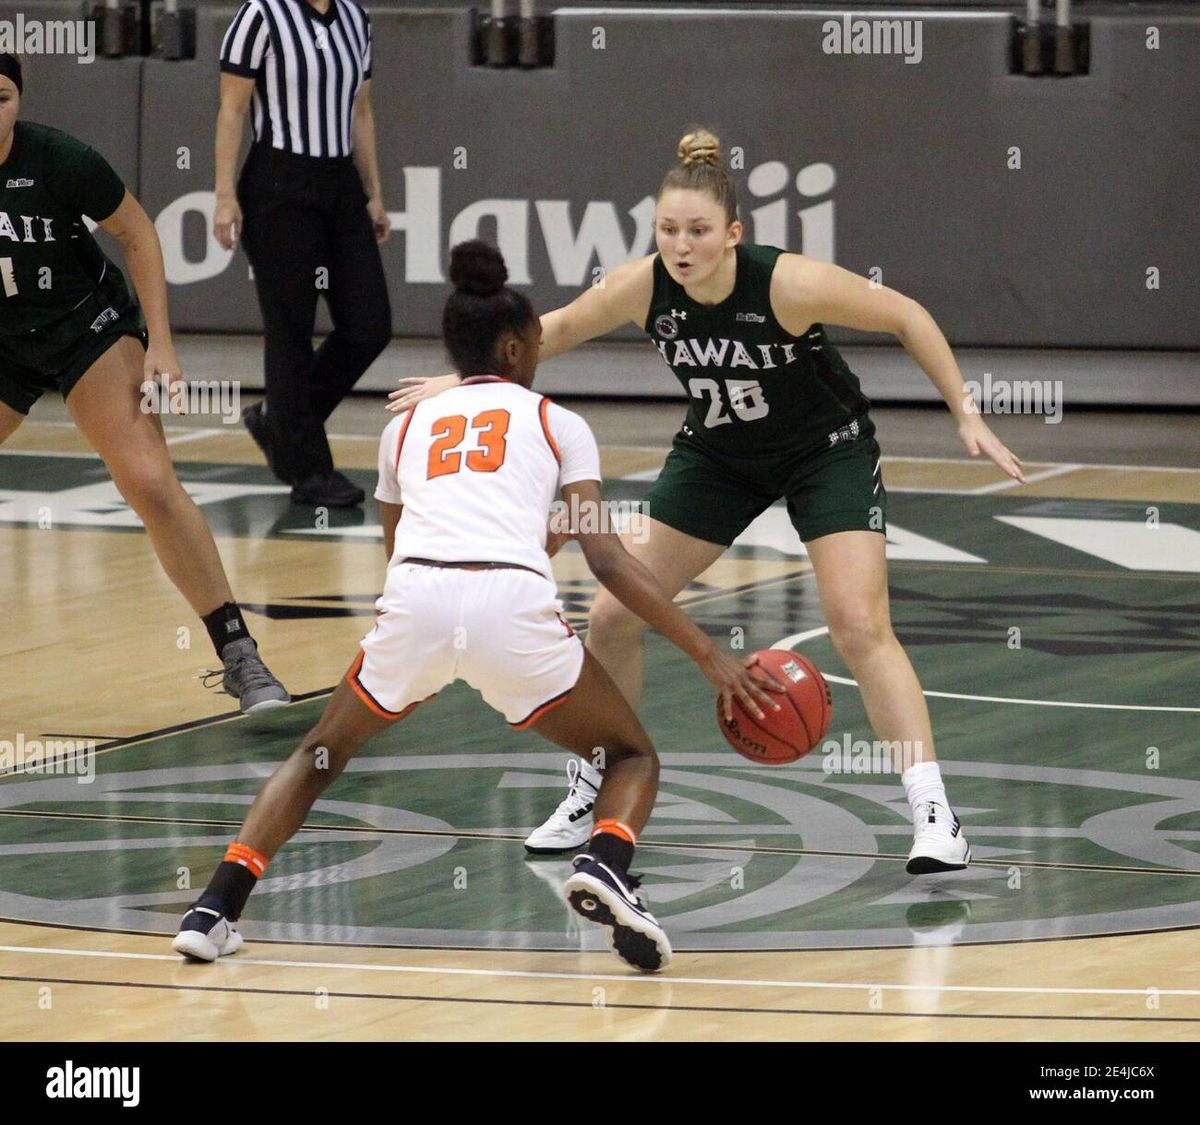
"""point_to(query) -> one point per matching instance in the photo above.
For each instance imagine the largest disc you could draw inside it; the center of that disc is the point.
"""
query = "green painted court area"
(1083, 819)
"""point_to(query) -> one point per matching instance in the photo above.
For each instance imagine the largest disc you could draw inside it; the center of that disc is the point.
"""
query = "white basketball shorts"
(501, 631)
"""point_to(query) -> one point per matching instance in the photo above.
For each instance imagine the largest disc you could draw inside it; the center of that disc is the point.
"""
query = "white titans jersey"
(477, 468)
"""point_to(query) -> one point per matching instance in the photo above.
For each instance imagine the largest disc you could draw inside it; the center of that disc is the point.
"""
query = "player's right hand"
(415, 389)
(227, 222)
(732, 678)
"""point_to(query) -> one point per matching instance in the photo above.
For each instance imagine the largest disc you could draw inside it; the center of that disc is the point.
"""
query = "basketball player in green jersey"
(68, 323)
(774, 413)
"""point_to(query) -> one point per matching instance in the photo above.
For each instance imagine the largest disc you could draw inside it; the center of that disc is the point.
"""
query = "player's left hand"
(160, 361)
(978, 438)
(380, 222)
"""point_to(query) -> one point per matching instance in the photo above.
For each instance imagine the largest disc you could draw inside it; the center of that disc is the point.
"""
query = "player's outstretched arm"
(806, 292)
(621, 297)
(638, 590)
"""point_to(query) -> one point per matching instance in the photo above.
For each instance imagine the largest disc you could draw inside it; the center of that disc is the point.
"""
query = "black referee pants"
(307, 234)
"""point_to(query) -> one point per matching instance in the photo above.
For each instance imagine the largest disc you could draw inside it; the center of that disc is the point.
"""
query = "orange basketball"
(800, 723)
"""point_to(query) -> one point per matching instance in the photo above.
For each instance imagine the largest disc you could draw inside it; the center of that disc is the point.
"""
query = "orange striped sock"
(242, 854)
(615, 828)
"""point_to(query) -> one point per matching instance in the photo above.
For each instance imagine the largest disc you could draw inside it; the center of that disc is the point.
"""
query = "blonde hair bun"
(700, 147)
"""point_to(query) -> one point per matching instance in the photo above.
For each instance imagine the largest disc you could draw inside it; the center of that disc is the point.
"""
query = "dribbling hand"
(732, 678)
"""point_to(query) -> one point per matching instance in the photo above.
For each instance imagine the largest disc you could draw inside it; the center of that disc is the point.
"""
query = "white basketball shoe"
(939, 843)
(205, 935)
(570, 825)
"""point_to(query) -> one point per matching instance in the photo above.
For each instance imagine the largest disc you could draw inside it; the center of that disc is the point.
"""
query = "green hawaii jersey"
(49, 263)
(755, 390)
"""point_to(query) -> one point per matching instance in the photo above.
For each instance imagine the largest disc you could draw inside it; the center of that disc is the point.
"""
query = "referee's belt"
(470, 565)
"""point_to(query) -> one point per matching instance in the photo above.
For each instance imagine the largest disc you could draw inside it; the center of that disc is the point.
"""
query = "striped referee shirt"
(307, 69)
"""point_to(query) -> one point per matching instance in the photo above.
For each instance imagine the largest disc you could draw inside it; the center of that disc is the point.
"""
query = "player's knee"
(634, 749)
(857, 634)
(149, 492)
(610, 621)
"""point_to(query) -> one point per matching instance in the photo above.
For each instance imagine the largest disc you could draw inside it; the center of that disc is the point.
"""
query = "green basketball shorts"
(56, 357)
(838, 487)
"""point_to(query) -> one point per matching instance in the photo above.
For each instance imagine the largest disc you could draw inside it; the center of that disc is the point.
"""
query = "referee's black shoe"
(256, 423)
(327, 488)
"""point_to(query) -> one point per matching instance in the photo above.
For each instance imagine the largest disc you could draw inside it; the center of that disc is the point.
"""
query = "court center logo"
(736, 857)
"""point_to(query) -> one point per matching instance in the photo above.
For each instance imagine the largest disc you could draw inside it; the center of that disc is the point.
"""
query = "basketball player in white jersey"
(466, 482)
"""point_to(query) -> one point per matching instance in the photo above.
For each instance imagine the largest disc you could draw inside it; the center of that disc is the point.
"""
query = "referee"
(310, 212)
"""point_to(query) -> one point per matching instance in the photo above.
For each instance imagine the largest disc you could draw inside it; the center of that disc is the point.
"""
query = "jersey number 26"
(745, 398)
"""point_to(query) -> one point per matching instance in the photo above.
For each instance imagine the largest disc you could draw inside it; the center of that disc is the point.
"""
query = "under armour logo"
(679, 315)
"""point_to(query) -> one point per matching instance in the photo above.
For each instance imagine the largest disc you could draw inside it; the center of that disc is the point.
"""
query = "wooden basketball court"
(408, 909)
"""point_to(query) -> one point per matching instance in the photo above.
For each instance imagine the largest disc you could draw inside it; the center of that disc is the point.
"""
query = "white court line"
(1003, 485)
(788, 643)
(515, 974)
(197, 434)
(44, 453)
(1039, 461)
(770, 13)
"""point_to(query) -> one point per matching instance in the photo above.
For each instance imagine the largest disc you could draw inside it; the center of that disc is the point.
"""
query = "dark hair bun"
(477, 268)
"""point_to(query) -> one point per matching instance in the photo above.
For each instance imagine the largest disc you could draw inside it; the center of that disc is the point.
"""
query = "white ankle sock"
(922, 783)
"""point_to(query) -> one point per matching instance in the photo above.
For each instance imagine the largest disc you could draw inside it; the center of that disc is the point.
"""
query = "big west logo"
(423, 235)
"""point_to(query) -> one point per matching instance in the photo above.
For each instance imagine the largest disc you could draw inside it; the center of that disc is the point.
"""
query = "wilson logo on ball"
(745, 744)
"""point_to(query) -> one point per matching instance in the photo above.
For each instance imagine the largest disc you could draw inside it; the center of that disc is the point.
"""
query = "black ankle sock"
(612, 849)
(224, 625)
(228, 890)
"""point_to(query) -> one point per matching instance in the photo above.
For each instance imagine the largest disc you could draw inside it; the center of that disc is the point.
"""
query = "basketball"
(801, 722)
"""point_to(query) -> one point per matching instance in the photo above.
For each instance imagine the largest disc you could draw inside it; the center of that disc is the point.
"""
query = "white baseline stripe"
(1001, 486)
(1037, 461)
(513, 974)
(196, 435)
(788, 643)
